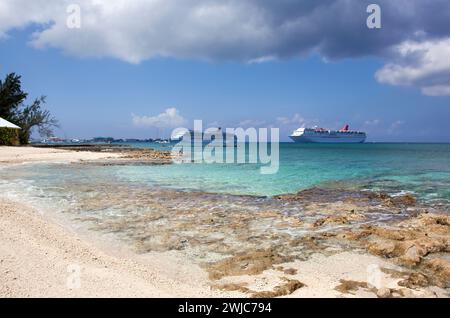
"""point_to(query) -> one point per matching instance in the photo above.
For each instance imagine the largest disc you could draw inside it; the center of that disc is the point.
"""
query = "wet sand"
(317, 243)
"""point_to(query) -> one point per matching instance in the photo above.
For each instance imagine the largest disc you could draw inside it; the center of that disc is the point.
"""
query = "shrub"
(9, 136)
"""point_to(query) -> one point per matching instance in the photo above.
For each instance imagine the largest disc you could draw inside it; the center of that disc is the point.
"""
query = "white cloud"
(170, 118)
(296, 120)
(422, 64)
(263, 59)
(21, 13)
(134, 31)
(395, 126)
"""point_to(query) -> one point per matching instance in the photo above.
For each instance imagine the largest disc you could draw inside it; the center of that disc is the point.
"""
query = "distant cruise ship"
(320, 135)
(204, 137)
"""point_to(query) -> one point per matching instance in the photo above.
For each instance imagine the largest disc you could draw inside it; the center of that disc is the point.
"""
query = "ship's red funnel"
(346, 127)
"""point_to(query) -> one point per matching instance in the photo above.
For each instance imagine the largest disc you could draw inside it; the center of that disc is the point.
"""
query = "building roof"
(5, 123)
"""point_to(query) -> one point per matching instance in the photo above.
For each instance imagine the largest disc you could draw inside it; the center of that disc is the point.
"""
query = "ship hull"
(329, 139)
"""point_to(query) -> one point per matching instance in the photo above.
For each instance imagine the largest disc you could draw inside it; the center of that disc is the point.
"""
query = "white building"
(7, 124)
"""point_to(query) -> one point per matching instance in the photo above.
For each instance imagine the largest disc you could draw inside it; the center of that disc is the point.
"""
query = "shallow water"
(207, 226)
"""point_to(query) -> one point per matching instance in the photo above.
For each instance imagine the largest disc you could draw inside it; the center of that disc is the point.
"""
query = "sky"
(138, 69)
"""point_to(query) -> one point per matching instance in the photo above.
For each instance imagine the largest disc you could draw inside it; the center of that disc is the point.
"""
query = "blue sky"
(98, 95)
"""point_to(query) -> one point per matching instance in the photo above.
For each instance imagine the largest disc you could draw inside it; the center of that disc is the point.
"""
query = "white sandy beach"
(37, 254)
(22, 155)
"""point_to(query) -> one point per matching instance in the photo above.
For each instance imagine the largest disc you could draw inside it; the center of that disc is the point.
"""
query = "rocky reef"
(233, 236)
(420, 243)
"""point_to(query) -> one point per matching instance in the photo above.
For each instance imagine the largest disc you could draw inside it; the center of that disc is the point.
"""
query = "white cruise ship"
(320, 135)
(203, 137)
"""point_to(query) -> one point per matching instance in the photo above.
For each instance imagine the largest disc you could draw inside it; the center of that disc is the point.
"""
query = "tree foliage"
(11, 95)
(9, 136)
(27, 117)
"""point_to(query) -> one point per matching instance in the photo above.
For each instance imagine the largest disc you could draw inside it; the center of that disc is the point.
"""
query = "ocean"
(420, 169)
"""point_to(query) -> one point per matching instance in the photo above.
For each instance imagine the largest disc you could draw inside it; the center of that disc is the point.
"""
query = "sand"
(37, 256)
(43, 257)
(23, 155)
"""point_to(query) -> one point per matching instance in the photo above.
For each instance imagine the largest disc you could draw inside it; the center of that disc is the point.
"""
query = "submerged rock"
(417, 243)
(383, 292)
(287, 288)
(250, 263)
(382, 248)
(290, 271)
(440, 269)
(411, 256)
(414, 280)
(350, 286)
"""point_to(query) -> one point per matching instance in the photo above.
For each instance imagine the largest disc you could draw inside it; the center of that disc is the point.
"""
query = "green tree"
(11, 95)
(27, 117)
(33, 116)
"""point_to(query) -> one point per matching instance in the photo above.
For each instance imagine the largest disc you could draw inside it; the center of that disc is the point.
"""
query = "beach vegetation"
(29, 118)
(9, 136)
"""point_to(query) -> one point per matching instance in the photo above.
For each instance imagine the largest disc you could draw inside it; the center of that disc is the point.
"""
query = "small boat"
(162, 141)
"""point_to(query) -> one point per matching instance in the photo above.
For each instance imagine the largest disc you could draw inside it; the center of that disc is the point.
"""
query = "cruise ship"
(203, 137)
(321, 135)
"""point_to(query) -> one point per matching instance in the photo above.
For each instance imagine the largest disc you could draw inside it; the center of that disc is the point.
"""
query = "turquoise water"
(422, 169)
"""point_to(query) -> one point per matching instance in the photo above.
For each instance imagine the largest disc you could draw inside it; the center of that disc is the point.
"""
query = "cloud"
(395, 126)
(295, 120)
(437, 90)
(372, 125)
(380, 127)
(239, 30)
(263, 59)
(422, 64)
(373, 122)
(412, 36)
(170, 118)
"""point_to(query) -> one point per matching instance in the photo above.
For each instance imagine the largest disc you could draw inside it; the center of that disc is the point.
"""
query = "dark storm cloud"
(247, 31)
